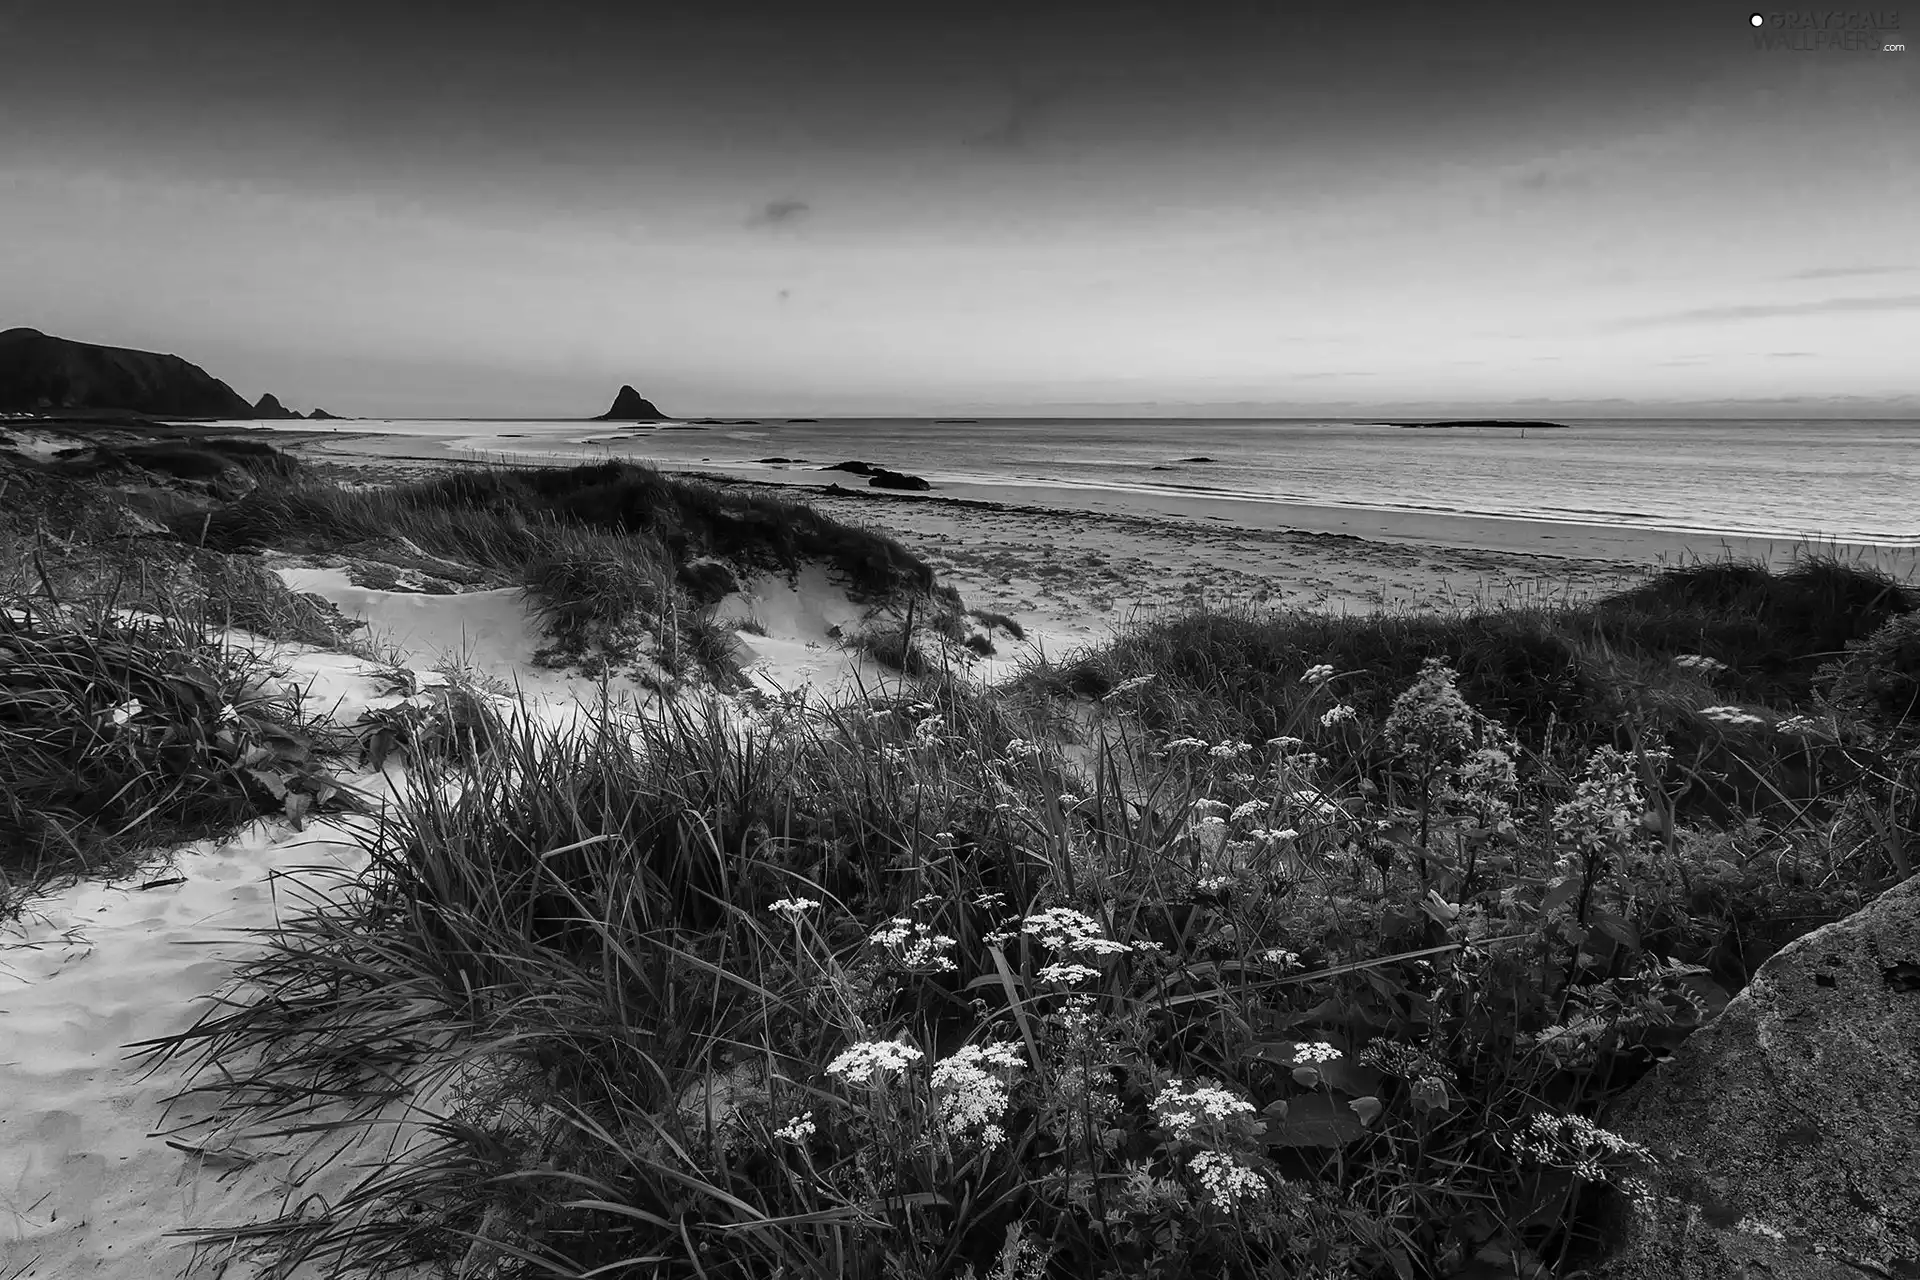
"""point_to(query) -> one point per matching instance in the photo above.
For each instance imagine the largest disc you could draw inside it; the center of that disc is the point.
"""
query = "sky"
(425, 208)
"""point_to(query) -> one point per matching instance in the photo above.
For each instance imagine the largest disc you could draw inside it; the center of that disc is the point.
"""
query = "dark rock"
(321, 415)
(856, 467)
(779, 459)
(1201, 458)
(269, 406)
(707, 580)
(803, 419)
(629, 407)
(1788, 1129)
(44, 374)
(884, 479)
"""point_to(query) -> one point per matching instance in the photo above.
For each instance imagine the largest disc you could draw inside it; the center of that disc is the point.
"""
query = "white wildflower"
(1230, 749)
(793, 908)
(1698, 662)
(1734, 717)
(1226, 1181)
(1799, 727)
(798, 1129)
(1211, 885)
(1210, 808)
(1280, 958)
(1067, 975)
(972, 1091)
(125, 711)
(1183, 1110)
(1189, 744)
(857, 1064)
(1249, 810)
(1319, 673)
(1314, 1051)
(1286, 743)
(1341, 714)
(1064, 929)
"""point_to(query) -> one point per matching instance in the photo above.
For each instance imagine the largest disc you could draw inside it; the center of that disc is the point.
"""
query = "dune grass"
(1322, 956)
(1246, 944)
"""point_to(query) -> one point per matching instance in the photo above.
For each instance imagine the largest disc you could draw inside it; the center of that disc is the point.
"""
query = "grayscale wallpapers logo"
(1828, 31)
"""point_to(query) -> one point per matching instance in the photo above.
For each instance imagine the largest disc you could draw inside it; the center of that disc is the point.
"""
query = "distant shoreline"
(1519, 536)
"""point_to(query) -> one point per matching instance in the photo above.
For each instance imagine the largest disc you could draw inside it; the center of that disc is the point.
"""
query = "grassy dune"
(1248, 944)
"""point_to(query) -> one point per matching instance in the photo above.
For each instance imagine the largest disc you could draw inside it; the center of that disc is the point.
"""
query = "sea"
(1853, 481)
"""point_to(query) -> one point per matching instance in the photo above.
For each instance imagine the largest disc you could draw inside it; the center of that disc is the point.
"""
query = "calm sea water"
(1854, 481)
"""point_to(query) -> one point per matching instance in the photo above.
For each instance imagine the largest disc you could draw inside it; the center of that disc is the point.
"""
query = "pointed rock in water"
(269, 406)
(629, 407)
(1787, 1130)
(321, 415)
(40, 373)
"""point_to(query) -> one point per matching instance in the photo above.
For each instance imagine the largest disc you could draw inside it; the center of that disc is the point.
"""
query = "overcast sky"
(418, 208)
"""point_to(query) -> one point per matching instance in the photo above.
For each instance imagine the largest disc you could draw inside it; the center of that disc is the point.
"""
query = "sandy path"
(89, 1185)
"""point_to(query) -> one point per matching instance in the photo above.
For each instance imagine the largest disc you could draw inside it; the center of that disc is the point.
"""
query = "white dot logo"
(1757, 20)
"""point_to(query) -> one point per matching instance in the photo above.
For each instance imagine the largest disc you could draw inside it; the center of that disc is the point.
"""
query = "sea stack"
(40, 373)
(629, 407)
(269, 406)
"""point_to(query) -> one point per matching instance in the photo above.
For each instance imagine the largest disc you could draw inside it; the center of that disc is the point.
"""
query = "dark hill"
(269, 406)
(40, 374)
(629, 407)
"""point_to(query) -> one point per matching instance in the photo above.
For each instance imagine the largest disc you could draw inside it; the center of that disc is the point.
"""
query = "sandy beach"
(1069, 565)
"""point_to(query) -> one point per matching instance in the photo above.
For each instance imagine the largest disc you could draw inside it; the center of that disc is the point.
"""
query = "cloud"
(1768, 311)
(1837, 273)
(1025, 117)
(1551, 180)
(779, 213)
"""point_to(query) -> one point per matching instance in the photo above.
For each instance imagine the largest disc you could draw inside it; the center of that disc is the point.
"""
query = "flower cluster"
(1280, 958)
(1318, 673)
(1183, 1110)
(857, 1064)
(1065, 929)
(1607, 805)
(1067, 975)
(797, 1130)
(1733, 717)
(1577, 1145)
(1229, 749)
(1021, 749)
(793, 908)
(1460, 754)
(1699, 662)
(972, 1093)
(1799, 727)
(1285, 743)
(1314, 1052)
(1226, 1181)
(1408, 1062)
(916, 946)
(1340, 714)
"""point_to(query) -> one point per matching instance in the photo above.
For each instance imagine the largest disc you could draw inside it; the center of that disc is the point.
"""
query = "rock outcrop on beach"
(1788, 1129)
(879, 477)
(269, 406)
(628, 406)
(321, 415)
(40, 373)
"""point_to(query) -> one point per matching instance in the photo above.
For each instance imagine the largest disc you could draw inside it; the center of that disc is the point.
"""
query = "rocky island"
(629, 406)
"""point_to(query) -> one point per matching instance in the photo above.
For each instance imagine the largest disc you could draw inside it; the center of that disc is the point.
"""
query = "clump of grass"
(122, 735)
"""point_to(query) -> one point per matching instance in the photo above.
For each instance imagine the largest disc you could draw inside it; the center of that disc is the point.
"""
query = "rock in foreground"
(628, 406)
(43, 374)
(1788, 1129)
